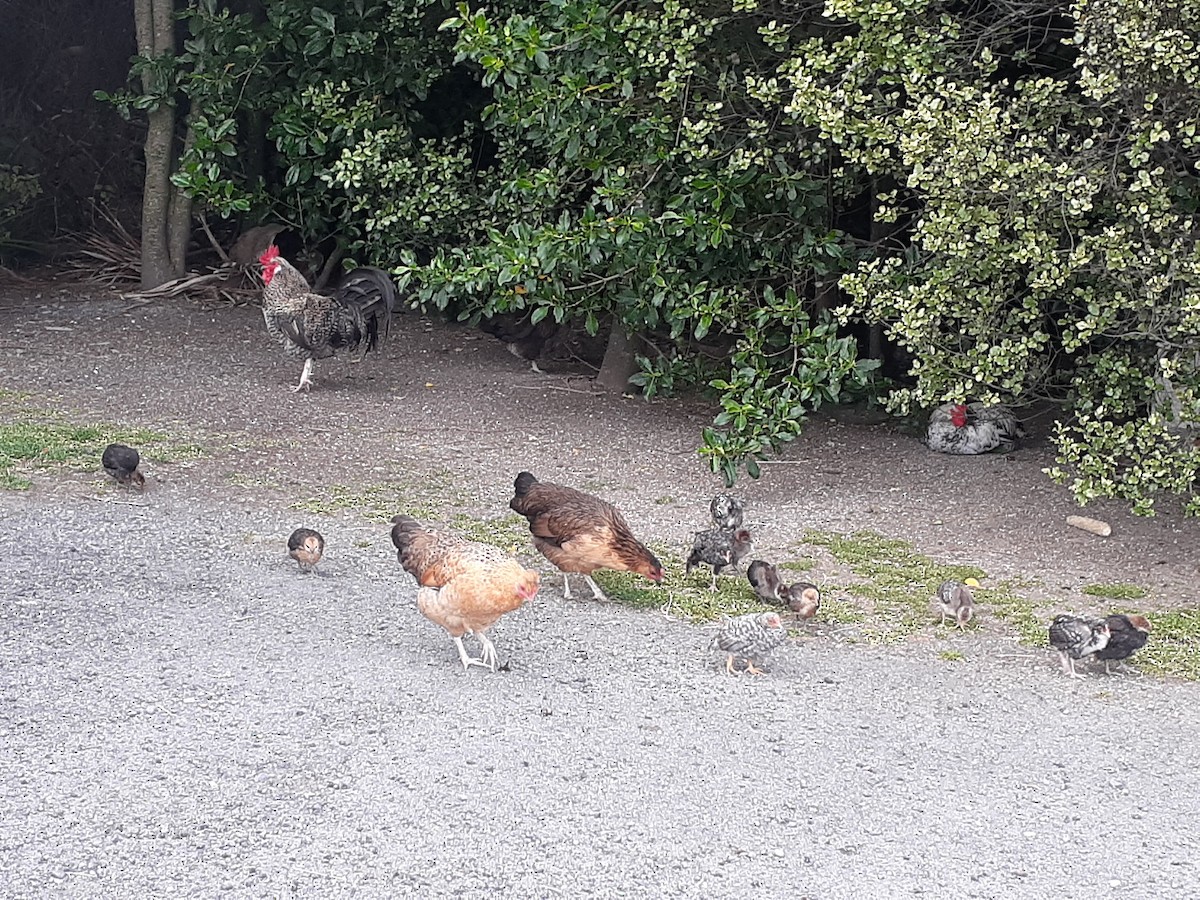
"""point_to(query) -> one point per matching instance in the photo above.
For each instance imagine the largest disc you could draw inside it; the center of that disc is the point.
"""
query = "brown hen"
(580, 533)
(465, 586)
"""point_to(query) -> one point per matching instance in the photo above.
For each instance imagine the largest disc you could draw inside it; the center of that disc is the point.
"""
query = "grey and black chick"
(718, 548)
(121, 463)
(750, 637)
(956, 601)
(765, 580)
(1126, 635)
(726, 512)
(306, 546)
(803, 598)
(1075, 637)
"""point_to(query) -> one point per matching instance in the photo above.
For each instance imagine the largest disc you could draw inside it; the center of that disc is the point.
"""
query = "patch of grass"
(1116, 591)
(47, 443)
(1174, 645)
(681, 594)
(431, 498)
(1007, 605)
(797, 565)
(378, 502)
(951, 656)
(897, 582)
(510, 533)
(664, 501)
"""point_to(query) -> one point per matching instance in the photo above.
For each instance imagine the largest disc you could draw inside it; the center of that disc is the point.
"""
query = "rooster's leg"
(729, 665)
(596, 591)
(750, 668)
(566, 586)
(713, 586)
(305, 377)
(467, 661)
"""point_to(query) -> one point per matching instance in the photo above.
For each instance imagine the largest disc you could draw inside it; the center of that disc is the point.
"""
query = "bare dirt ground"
(182, 714)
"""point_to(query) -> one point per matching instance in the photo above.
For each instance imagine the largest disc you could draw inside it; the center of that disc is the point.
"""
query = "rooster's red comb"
(269, 255)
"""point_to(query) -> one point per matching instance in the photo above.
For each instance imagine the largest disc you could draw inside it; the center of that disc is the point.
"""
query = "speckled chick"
(750, 637)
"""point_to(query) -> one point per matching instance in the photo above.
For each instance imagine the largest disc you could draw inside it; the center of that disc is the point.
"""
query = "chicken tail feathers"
(524, 482)
(368, 295)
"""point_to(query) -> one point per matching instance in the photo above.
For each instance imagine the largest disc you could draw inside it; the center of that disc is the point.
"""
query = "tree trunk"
(619, 363)
(166, 214)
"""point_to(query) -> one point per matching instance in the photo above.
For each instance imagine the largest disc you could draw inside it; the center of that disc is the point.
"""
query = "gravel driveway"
(183, 714)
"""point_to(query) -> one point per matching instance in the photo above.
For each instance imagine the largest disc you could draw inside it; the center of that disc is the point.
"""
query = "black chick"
(1126, 635)
(803, 598)
(121, 463)
(765, 580)
(726, 512)
(1075, 637)
(306, 546)
(718, 548)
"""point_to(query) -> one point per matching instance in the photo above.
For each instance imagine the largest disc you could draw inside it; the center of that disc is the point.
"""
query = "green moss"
(509, 533)
(43, 442)
(1174, 645)
(1116, 591)
(951, 656)
(895, 583)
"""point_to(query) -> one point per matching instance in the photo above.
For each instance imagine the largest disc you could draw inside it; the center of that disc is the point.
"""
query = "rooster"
(969, 429)
(765, 580)
(1075, 637)
(718, 548)
(465, 586)
(311, 326)
(122, 463)
(749, 637)
(306, 547)
(956, 601)
(1126, 635)
(580, 533)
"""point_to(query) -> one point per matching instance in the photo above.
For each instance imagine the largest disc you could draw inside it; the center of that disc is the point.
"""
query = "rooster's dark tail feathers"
(369, 296)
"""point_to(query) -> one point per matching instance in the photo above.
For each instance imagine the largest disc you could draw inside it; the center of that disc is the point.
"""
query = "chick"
(726, 512)
(121, 463)
(718, 548)
(750, 637)
(1126, 635)
(803, 598)
(1075, 637)
(305, 546)
(765, 580)
(956, 601)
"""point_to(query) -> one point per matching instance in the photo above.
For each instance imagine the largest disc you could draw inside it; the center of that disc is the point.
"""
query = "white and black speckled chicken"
(750, 637)
(764, 578)
(306, 547)
(718, 548)
(311, 326)
(726, 512)
(1075, 637)
(122, 463)
(803, 598)
(1126, 635)
(969, 429)
(955, 601)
